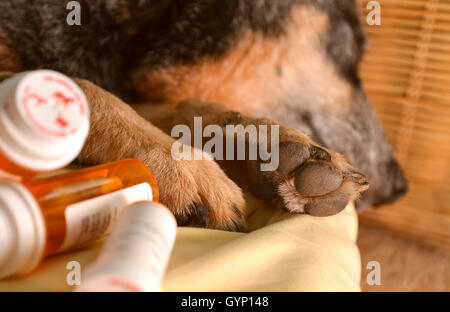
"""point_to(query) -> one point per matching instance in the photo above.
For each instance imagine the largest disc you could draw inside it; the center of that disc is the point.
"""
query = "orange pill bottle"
(63, 212)
(44, 121)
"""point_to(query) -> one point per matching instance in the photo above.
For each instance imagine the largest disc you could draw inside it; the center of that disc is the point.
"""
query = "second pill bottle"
(59, 213)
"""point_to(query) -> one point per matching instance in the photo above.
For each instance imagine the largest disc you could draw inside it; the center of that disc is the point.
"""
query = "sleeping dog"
(292, 63)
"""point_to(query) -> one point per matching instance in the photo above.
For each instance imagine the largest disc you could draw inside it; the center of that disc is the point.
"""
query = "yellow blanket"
(283, 252)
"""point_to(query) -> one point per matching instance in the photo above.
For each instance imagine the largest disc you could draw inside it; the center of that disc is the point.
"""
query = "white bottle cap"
(44, 120)
(22, 230)
(136, 253)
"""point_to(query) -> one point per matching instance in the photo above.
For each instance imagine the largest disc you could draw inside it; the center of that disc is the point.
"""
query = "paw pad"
(325, 207)
(316, 178)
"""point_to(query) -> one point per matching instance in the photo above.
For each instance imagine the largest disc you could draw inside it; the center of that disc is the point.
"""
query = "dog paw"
(309, 178)
(198, 192)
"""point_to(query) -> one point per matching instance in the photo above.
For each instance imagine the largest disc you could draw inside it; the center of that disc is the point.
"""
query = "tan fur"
(405, 264)
(118, 132)
(257, 72)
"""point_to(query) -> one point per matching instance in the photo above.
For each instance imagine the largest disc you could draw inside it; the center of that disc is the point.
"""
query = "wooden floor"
(406, 265)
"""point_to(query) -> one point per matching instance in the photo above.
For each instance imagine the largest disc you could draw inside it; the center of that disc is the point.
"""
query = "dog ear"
(344, 39)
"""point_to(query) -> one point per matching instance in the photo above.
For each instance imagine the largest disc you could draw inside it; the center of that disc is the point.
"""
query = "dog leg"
(198, 192)
(309, 178)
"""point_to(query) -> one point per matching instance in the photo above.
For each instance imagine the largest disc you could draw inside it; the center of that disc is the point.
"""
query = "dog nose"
(388, 189)
(394, 188)
(399, 185)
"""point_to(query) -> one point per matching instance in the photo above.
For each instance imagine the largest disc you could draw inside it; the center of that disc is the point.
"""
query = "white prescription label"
(91, 219)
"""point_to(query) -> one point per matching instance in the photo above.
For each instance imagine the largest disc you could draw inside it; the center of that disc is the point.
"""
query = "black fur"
(345, 40)
(118, 36)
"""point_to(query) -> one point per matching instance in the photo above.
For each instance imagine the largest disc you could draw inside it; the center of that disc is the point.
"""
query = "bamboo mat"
(406, 73)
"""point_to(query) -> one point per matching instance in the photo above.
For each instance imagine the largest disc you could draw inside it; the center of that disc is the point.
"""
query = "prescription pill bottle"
(135, 255)
(63, 212)
(44, 121)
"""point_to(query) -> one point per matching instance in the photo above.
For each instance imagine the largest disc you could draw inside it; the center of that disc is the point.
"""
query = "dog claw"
(319, 153)
(357, 178)
(239, 225)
